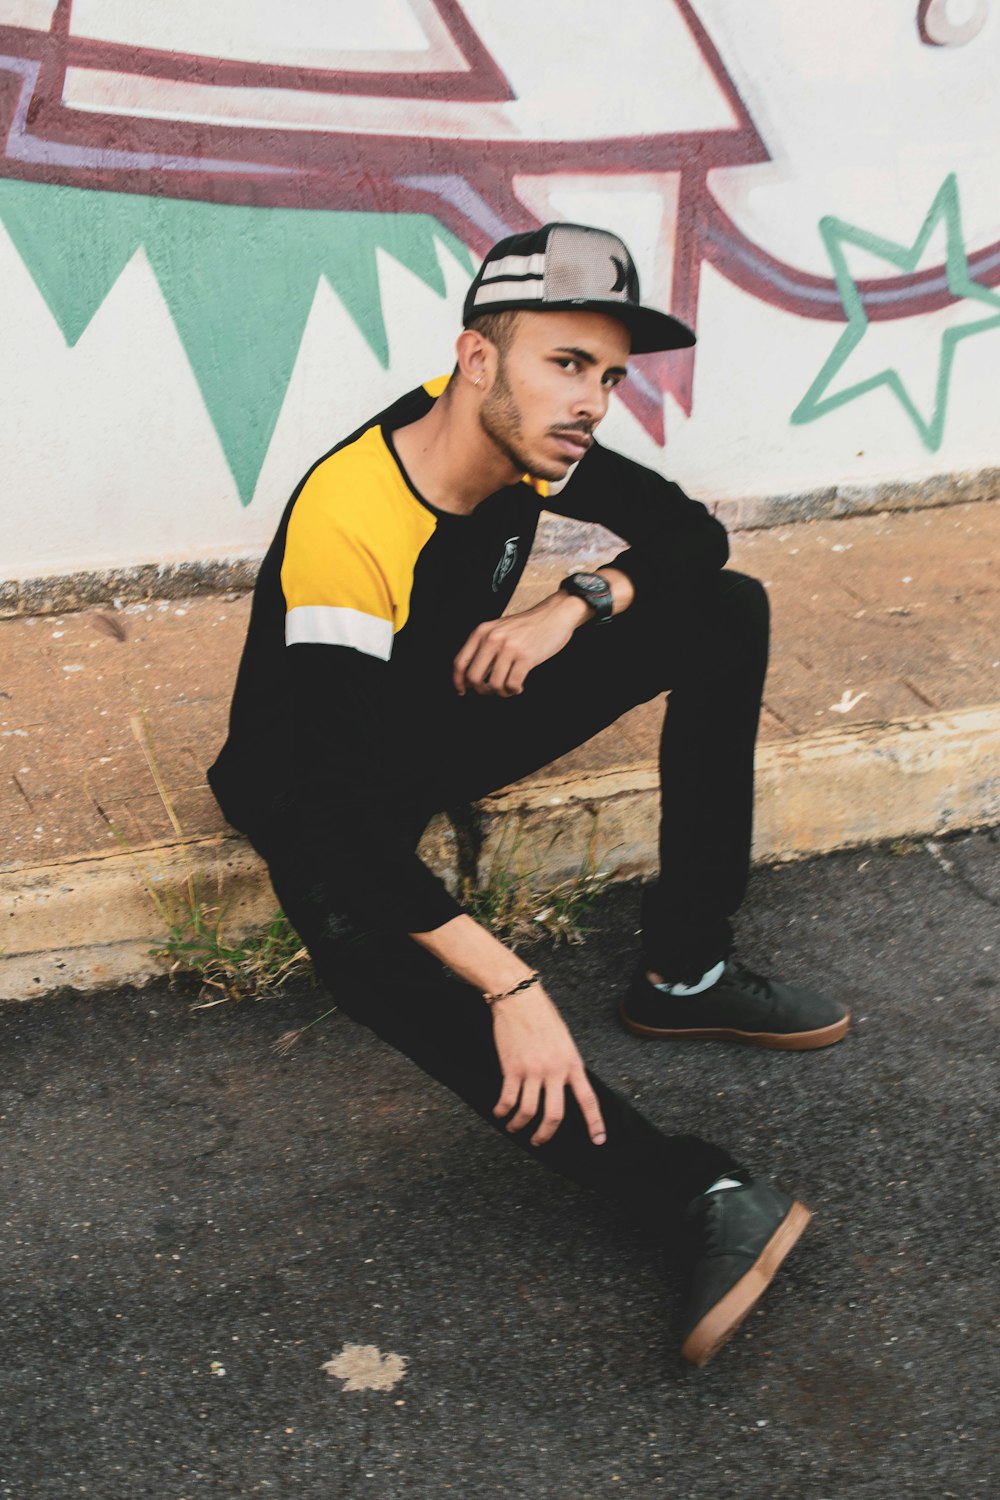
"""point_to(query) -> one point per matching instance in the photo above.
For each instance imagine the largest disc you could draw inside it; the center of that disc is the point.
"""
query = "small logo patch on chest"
(506, 562)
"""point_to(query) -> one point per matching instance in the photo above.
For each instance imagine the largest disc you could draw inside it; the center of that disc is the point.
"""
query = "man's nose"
(592, 400)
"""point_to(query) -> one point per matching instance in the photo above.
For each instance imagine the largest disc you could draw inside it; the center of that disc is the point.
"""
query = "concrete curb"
(899, 779)
(835, 790)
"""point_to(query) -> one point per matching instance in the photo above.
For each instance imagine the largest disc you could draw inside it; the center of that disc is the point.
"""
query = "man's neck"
(450, 460)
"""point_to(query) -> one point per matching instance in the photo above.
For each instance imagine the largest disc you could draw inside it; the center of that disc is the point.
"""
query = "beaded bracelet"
(506, 994)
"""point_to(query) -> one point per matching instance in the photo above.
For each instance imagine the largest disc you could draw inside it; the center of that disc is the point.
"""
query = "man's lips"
(574, 443)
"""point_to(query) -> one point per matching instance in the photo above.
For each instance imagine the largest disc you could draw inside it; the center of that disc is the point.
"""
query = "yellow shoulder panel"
(354, 536)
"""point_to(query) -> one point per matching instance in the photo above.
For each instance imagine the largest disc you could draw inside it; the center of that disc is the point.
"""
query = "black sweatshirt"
(365, 597)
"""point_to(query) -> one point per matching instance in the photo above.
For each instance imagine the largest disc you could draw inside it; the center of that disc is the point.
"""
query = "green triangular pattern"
(239, 283)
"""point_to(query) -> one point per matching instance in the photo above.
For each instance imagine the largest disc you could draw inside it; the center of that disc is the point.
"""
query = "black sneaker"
(740, 1237)
(739, 1007)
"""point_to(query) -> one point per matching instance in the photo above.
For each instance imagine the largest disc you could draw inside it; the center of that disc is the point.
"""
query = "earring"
(478, 380)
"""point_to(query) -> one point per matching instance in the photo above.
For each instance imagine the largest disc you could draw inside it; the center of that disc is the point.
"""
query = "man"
(381, 682)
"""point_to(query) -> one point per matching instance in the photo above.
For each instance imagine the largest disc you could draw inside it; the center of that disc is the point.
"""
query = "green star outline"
(835, 232)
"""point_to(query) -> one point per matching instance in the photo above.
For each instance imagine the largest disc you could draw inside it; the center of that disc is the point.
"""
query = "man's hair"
(498, 327)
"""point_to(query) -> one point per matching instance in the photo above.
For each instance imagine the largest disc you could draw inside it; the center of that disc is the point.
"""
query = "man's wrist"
(529, 981)
(577, 611)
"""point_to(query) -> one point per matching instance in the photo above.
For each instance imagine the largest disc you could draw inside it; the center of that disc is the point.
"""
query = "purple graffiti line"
(771, 280)
(377, 141)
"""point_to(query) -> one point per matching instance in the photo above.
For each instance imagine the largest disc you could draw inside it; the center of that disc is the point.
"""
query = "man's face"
(552, 387)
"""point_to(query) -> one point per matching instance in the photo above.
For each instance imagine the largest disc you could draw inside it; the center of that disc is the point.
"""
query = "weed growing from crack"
(196, 948)
(513, 902)
(258, 963)
(508, 898)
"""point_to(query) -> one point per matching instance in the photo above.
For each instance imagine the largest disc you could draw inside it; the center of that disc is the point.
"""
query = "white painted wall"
(109, 455)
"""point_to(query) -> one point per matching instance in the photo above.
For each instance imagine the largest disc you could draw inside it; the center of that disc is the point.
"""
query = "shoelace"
(712, 1224)
(756, 983)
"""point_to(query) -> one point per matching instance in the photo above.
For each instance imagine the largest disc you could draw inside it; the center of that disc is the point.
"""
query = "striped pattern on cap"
(571, 266)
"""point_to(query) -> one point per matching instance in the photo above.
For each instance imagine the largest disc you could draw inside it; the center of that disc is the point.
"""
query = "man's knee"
(733, 597)
(741, 627)
(745, 602)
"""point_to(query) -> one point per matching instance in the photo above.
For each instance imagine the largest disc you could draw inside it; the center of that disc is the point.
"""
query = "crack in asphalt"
(952, 868)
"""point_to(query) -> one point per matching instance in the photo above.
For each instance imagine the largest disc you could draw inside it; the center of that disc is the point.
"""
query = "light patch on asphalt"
(363, 1367)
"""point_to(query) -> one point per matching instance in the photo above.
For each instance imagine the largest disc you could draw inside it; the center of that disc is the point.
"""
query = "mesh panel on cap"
(588, 264)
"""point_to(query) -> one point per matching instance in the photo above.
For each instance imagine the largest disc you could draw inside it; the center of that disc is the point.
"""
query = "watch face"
(594, 589)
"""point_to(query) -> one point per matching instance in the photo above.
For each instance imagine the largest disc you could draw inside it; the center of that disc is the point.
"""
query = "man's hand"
(538, 1057)
(539, 1061)
(499, 654)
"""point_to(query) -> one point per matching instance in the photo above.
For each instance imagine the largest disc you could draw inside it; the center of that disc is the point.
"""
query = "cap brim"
(651, 331)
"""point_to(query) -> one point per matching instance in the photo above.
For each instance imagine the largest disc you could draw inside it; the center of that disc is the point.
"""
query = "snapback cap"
(570, 267)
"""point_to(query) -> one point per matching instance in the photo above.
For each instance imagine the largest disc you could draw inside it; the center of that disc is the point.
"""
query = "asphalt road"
(193, 1227)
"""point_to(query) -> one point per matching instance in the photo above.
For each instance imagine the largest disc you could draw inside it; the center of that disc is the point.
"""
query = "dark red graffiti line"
(347, 170)
(482, 82)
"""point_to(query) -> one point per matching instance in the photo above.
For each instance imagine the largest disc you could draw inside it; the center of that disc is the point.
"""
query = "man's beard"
(500, 417)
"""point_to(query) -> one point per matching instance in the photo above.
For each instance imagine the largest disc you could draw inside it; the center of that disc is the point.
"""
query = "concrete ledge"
(92, 922)
(901, 779)
(558, 537)
(759, 512)
(179, 580)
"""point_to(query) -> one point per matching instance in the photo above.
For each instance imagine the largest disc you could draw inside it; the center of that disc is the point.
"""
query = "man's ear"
(476, 358)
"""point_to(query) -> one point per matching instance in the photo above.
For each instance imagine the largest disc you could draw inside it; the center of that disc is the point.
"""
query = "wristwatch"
(592, 588)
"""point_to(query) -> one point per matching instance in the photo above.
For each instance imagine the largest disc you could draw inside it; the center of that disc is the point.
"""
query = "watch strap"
(594, 590)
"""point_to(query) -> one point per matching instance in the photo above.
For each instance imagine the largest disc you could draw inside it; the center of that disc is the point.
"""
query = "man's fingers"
(590, 1109)
(480, 668)
(465, 665)
(502, 671)
(555, 1108)
(505, 673)
(508, 1097)
(458, 669)
(464, 659)
(530, 1093)
(528, 1107)
(487, 665)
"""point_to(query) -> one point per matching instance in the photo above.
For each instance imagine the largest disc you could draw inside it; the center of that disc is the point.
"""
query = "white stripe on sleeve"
(332, 625)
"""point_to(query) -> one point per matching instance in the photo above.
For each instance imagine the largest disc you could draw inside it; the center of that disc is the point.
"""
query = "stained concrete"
(881, 719)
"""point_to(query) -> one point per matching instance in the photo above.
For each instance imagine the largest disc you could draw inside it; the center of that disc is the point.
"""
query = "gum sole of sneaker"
(728, 1313)
(791, 1041)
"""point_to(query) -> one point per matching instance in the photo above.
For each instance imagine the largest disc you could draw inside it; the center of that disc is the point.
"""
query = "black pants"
(709, 648)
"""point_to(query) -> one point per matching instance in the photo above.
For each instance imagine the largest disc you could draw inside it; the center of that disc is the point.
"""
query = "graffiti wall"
(229, 233)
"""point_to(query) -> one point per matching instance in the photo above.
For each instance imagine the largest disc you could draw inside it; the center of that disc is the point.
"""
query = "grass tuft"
(197, 949)
(509, 897)
(257, 964)
(511, 900)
